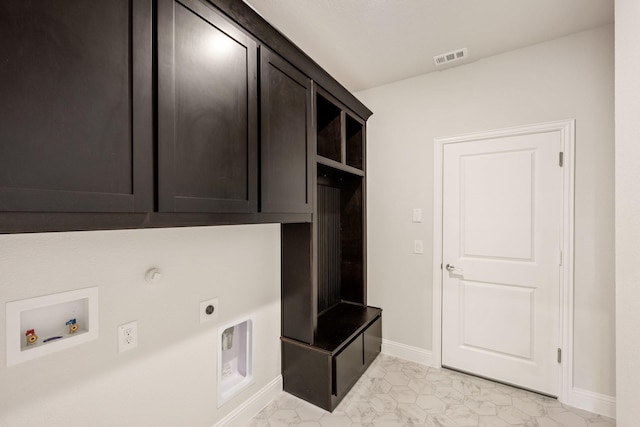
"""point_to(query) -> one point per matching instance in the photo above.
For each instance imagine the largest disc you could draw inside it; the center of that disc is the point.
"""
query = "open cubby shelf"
(340, 239)
(329, 129)
(340, 136)
(354, 142)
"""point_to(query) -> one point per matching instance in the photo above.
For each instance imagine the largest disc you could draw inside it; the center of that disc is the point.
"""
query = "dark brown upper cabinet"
(76, 127)
(286, 137)
(207, 111)
(149, 113)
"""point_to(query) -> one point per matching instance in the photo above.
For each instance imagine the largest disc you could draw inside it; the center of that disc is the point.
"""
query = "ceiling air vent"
(445, 58)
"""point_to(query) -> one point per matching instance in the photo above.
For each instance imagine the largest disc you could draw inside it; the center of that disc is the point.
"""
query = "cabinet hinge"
(561, 159)
(559, 355)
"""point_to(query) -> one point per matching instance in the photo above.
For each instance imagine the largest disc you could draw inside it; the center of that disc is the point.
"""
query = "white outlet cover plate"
(127, 336)
(417, 215)
(204, 317)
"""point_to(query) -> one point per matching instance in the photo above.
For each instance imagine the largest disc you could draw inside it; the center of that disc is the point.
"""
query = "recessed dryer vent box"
(235, 359)
(46, 324)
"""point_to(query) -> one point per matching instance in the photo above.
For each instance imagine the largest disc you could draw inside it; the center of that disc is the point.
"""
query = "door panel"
(491, 330)
(286, 143)
(501, 228)
(207, 111)
(77, 125)
(348, 366)
(501, 233)
(372, 341)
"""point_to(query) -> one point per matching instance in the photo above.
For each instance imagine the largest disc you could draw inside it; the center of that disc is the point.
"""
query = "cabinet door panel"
(306, 373)
(348, 366)
(372, 341)
(207, 111)
(76, 106)
(286, 143)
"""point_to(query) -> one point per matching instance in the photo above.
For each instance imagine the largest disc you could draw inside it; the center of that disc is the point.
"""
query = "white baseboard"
(578, 398)
(592, 402)
(249, 408)
(407, 352)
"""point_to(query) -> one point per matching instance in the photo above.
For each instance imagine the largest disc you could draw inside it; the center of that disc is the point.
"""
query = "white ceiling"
(368, 43)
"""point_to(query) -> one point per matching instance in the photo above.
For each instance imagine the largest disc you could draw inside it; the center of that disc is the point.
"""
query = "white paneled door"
(502, 231)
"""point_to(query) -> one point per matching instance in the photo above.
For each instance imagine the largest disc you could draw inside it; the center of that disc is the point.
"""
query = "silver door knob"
(452, 269)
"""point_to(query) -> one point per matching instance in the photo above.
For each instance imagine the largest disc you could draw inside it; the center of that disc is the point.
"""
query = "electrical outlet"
(209, 310)
(127, 336)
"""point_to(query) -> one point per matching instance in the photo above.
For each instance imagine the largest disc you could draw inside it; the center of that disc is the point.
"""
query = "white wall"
(170, 379)
(571, 77)
(627, 211)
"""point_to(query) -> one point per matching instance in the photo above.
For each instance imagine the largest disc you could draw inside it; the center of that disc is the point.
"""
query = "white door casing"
(502, 220)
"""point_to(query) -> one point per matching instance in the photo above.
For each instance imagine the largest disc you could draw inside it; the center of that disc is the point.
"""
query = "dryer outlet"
(209, 310)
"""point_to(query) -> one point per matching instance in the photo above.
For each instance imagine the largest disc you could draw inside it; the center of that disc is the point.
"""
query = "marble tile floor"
(394, 392)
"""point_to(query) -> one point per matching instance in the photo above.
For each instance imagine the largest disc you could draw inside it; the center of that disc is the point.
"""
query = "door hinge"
(561, 159)
(561, 260)
(559, 355)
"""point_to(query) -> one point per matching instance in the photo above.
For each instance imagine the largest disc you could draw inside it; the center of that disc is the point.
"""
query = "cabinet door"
(207, 111)
(76, 126)
(372, 341)
(286, 136)
(348, 367)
